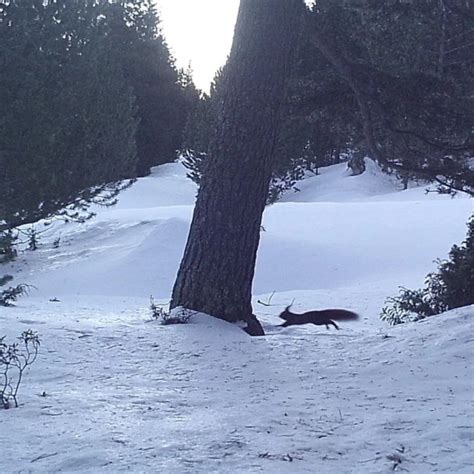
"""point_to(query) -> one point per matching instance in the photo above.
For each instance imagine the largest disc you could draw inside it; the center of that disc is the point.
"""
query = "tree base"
(254, 328)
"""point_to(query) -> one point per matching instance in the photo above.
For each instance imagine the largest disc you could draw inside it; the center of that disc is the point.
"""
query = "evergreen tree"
(164, 97)
(89, 96)
(315, 113)
(450, 287)
(67, 118)
(200, 129)
(410, 73)
(217, 269)
(390, 80)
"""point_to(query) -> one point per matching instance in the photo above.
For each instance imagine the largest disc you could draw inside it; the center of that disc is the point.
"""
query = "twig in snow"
(268, 302)
(377, 458)
(44, 456)
(278, 457)
(397, 459)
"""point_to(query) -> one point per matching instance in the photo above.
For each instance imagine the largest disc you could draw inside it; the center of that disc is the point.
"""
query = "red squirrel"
(319, 318)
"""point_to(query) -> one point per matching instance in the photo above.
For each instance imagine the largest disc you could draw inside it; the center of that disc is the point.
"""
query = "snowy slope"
(123, 393)
(310, 242)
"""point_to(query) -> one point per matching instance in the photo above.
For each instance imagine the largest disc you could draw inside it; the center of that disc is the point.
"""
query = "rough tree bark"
(218, 266)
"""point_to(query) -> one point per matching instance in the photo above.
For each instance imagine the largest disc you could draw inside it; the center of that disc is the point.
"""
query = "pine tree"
(68, 125)
(163, 98)
(200, 128)
(409, 70)
(390, 80)
(319, 109)
(450, 287)
(217, 269)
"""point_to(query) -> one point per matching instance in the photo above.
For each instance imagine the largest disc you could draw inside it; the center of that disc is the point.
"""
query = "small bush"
(11, 294)
(452, 286)
(175, 316)
(411, 305)
(33, 239)
(286, 179)
(8, 253)
(8, 241)
(194, 162)
(14, 359)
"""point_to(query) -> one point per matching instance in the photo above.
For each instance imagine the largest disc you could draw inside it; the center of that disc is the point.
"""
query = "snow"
(113, 390)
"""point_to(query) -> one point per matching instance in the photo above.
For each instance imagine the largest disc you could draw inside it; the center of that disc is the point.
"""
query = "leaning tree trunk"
(218, 266)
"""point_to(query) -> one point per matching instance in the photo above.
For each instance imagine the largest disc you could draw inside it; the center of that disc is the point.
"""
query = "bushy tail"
(336, 314)
(339, 314)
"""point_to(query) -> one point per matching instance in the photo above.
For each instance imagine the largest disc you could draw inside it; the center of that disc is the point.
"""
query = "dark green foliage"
(67, 120)
(452, 286)
(390, 80)
(294, 153)
(456, 275)
(319, 124)
(7, 246)
(288, 172)
(164, 96)
(33, 239)
(8, 252)
(200, 129)
(409, 71)
(356, 164)
(89, 95)
(11, 294)
(193, 161)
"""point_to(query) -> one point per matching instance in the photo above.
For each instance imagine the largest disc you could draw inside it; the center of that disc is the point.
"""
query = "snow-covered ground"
(113, 391)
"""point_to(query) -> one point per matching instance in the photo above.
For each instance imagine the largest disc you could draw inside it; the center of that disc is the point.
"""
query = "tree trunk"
(218, 266)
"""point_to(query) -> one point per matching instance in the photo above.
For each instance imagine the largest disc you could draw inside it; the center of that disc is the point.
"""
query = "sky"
(199, 33)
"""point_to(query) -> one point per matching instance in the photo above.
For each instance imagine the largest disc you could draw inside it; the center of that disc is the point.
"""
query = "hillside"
(123, 393)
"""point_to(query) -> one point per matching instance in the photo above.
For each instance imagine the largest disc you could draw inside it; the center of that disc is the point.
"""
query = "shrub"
(194, 161)
(33, 239)
(8, 250)
(452, 286)
(11, 294)
(8, 253)
(14, 359)
(175, 316)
